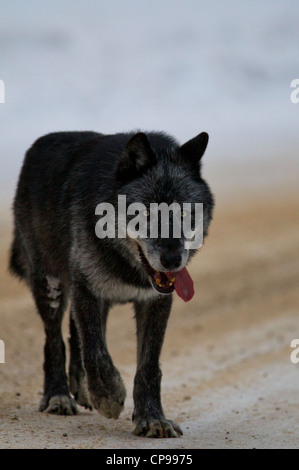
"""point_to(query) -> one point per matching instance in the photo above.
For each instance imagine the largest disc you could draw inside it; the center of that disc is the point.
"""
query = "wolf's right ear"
(136, 157)
(194, 149)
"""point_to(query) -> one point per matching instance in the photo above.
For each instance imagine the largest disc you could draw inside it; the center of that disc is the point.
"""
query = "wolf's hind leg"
(50, 298)
(105, 386)
(77, 376)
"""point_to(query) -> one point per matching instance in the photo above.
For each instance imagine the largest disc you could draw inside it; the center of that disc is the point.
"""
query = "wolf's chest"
(120, 292)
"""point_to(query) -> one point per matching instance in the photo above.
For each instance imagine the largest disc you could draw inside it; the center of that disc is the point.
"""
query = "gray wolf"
(65, 175)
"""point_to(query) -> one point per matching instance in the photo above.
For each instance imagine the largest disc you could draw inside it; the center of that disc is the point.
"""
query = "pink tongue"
(183, 284)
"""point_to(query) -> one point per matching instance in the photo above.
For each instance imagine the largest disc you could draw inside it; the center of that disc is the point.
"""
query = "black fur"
(64, 177)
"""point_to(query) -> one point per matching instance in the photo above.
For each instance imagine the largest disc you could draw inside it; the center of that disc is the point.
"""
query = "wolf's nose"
(170, 260)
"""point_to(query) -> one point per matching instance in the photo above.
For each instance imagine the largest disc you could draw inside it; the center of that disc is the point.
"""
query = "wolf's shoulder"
(66, 138)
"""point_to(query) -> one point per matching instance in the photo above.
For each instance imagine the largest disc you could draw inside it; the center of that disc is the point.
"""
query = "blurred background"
(173, 65)
(182, 66)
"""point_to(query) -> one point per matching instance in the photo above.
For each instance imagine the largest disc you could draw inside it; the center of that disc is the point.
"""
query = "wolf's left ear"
(137, 156)
(194, 149)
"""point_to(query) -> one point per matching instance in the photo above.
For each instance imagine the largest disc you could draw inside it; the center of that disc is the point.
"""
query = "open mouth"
(159, 279)
(167, 282)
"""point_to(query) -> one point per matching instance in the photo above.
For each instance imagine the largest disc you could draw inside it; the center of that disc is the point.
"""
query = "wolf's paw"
(109, 399)
(58, 405)
(110, 408)
(159, 428)
(78, 387)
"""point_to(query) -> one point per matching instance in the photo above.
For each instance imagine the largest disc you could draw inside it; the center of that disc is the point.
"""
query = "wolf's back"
(42, 200)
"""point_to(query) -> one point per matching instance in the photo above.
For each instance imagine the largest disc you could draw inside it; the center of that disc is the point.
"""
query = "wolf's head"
(156, 173)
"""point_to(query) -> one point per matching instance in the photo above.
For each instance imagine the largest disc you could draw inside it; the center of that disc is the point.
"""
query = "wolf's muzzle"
(170, 260)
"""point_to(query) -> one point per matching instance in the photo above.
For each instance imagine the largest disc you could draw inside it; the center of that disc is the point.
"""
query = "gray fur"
(55, 250)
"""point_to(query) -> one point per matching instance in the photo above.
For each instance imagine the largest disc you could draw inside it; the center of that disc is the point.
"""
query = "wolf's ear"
(194, 149)
(137, 156)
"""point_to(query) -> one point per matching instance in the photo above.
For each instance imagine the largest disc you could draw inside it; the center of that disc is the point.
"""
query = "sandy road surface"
(227, 375)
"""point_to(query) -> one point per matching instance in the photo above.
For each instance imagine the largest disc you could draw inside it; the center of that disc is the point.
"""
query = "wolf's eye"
(146, 213)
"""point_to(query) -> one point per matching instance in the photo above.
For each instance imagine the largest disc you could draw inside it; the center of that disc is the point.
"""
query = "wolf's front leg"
(105, 387)
(148, 416)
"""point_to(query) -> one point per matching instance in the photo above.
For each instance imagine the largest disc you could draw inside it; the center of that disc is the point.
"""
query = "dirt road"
(227, 375)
